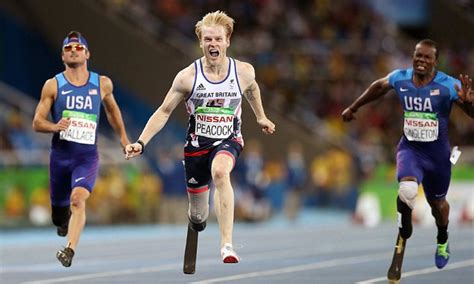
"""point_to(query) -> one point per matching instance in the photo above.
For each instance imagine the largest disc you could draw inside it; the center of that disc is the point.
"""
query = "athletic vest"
(81, 104)
(214, 109)
(427, 108)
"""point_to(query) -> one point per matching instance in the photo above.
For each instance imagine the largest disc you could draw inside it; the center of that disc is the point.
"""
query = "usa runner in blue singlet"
(423, 154)
(74, 98)
(424, 150)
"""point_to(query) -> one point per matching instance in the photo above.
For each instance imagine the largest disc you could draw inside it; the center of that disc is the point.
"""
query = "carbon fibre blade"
(395, 271)
(190, 252)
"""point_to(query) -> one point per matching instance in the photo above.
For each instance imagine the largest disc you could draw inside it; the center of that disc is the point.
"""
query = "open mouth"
(420, 67)
(214, 53)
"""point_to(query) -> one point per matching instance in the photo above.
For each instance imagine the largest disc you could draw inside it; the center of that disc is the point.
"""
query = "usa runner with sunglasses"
(211, 88)
(74, 98)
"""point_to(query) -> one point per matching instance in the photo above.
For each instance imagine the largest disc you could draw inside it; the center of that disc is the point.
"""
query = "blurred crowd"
(312, 59)
(16, 136)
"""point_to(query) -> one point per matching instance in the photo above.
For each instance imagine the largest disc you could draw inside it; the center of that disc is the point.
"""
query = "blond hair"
(217, 18)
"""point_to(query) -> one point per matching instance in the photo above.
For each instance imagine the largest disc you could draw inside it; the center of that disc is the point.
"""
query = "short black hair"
(431, 43)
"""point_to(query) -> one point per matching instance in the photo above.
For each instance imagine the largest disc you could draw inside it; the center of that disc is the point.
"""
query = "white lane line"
(256, 256)
(107, 274)
(454, 265)
(209, 261)
(175, 266)
(297, 268)
(324, 264)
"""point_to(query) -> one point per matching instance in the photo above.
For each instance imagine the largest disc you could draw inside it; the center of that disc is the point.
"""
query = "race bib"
(420, 126)
(82, 128)
(214, 122)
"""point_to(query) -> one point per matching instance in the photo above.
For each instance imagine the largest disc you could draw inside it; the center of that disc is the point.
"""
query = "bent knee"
(198, 210)
(198, 213)
(220, 174)
(438, 205)
(407, 192)
(77, 203)
(79, 197)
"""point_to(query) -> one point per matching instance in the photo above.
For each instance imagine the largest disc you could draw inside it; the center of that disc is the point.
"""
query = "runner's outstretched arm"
(159, 118)
(377, 89)
(112, 110)
(252, 94)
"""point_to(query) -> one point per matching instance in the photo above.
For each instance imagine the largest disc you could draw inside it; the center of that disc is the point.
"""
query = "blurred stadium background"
(312, 59)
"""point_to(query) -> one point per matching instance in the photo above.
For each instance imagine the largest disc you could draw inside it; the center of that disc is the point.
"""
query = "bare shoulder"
(183, 82)
(244, 68)
(105, 80)
(51, 82)
(106, 85)
(50, 87)
(187, 73)
(384, 82)
(246, 73)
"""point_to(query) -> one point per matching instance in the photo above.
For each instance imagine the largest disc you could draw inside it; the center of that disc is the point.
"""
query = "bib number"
(420, 126)
(82, 128)
(214, 122)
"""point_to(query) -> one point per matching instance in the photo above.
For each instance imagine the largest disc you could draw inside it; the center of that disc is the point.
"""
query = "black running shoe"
(65, 256)
(62, 231)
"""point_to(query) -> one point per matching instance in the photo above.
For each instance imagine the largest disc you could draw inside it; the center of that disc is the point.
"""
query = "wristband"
(143, 145)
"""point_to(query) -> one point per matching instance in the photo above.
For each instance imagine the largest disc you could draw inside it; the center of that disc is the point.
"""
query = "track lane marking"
(454, 265)
(319, 265)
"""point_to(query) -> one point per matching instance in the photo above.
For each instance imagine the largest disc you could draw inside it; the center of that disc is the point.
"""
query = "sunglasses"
(76, 47)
